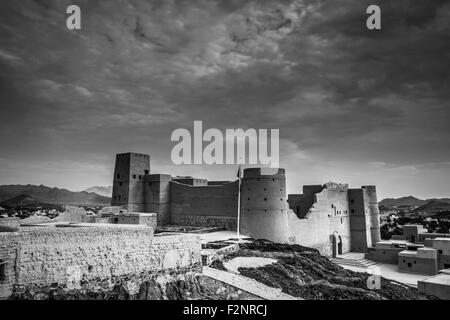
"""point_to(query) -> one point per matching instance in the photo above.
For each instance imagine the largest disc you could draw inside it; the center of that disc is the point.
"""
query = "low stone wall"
(9, 223)
(228, 223)
(384, 255)
(91, 258)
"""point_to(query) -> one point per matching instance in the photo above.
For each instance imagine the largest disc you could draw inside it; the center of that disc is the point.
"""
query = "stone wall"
(101, 257)
(10, 222)
(208, 201)
(228, 223)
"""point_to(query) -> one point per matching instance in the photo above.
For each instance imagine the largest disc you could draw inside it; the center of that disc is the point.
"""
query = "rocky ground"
(302, 272)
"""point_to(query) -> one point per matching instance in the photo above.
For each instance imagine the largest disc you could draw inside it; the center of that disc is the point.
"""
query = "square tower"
(128, 183)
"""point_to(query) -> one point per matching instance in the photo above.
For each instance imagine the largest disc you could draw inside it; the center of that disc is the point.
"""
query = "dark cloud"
(352, 104)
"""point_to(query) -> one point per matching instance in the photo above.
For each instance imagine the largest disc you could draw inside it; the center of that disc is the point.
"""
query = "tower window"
(146, 172)
(351, 201)
(2, 270)
(118, 198)
(140, 177)
(352, 210)
(265, 199)
(118, 176)
(120, 183)
(134, 176)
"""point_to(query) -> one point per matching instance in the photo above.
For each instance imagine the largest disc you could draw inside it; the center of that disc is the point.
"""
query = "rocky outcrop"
(302, 272)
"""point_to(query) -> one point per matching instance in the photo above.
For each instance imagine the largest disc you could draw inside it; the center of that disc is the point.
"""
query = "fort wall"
(328, 217)
(204, 205)
(157, 196)
(99, 256)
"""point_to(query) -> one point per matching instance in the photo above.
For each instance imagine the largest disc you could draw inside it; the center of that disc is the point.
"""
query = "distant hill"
(404, 201)
(43, 194)
(433, 205)
(102, 191)
(20, 201)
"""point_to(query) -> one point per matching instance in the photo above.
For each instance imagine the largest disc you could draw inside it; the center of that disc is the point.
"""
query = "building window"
(2, 270)
(120, 184)
(118, 198)
(352, 210)
(265, 199)
(134, 176)
(140, 177)
(351, 201)
(440, 251)
(118, 176)
(146, 172)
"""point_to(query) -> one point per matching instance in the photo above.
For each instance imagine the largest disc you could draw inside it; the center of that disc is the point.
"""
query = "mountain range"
(16, 195)
(103, 191)
(410, 201)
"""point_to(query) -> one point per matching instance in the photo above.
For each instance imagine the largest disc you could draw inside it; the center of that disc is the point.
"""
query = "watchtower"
(128, 183)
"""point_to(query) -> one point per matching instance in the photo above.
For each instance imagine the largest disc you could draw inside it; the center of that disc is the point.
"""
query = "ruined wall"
(101, 257)
(213, 205)
(326, 225)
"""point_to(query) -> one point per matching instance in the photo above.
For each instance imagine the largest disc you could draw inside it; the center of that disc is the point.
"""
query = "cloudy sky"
(352, 105)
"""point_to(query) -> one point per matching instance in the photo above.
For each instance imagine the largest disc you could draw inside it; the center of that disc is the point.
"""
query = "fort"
(331, 217)
(144, 246)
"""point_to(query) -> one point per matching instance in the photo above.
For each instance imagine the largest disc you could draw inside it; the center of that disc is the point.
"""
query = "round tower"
(264, 204)
(371, 204)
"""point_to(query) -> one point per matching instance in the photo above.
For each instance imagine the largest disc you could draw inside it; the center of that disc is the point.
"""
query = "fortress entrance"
(336, 245)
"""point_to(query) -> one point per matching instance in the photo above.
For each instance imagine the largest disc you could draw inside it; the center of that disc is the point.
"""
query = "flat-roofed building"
(438, 285)
(422, 260)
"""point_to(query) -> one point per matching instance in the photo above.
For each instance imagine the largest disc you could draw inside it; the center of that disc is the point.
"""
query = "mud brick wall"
(69, 257)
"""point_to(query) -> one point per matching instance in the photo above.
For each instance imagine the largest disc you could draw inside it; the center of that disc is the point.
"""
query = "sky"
(352, 105)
